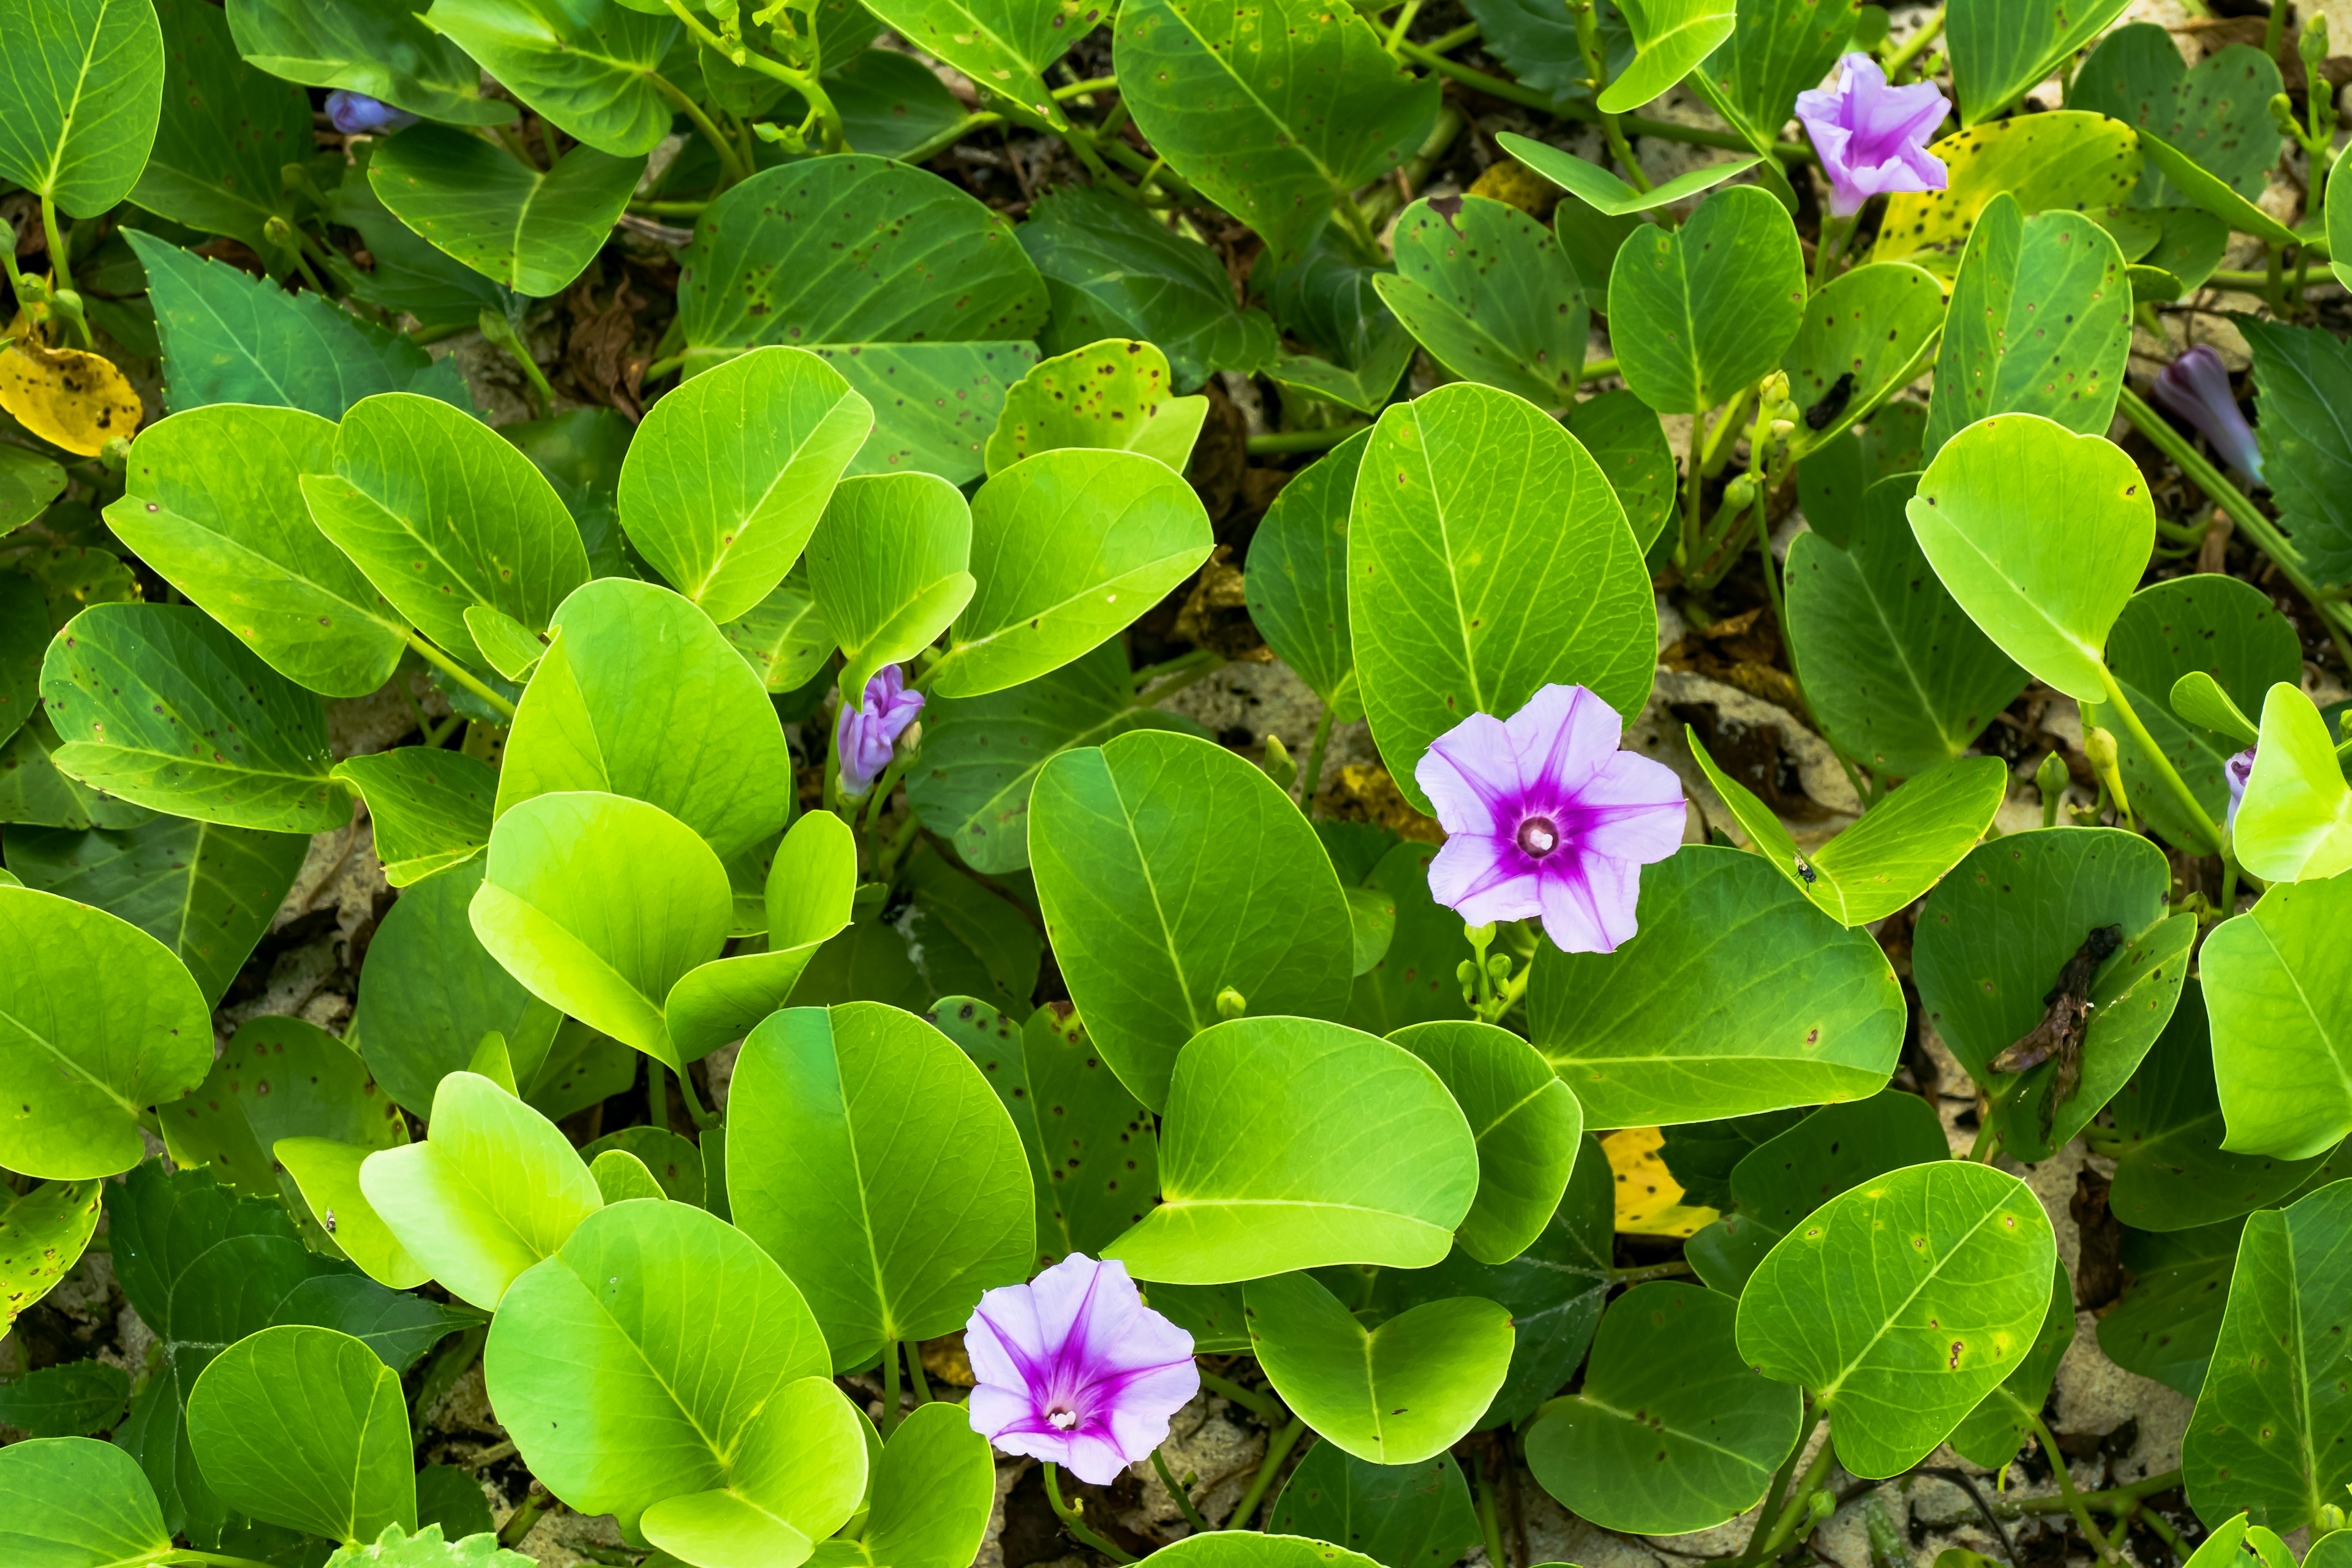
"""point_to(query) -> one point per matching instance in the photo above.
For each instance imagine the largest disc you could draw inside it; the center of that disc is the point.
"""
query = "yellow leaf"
(66, 396)
(2064, 160)
(1649, 1199)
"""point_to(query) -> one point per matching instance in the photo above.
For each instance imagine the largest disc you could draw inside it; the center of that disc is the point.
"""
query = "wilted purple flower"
(2237, 770)
(1872, 137)
(2196, 386)
(355, 113)
(1074, 1369)
(1544, 816)
(869, 729)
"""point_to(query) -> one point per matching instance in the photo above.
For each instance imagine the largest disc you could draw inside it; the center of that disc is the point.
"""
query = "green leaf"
(1672, 1431)
(968, 939)
(1699, 312)
(936, 402)
(277, 1077)
(783, 638)
(43, 1235)
(416, 481)
(1488, 292)
(1736, 997)
(1252, 1548)
(2001, 48)
(379, 47)
(1792, 1172)
(599, 905)
(1069, 547)
(72, 1503)
(1994, 936)
(1900, 848)
(931, 1494)
(2171, 1171)
(1297, 580)
(1113, 269)
(1468, 479)
(1898, 674)
(622, 1177)
(905, 259)
(214, 503)
(1094, 1159)
(69, 1399)
(2061, 160)
(2040, 535)
(1527, 1123)
(1870, 332)
(1261, 911)
(1670, 38)
(1291, 1143)
(587, 65)
(982, 756)
(885, 1171)
(206, 892)
(532, 231)
(305, 1427)
(2041, 323)
(1114, 394)
(413, 274)
(326, 1173)
(1003, 45)
(1400, 1394)
(494, 1189)
(1275, 109)
(886, 566)
(1778, 50)
(1603, 191)
(704, 1370)
(2300, 375)
(1415, 980)
(2217, 112)
(227, 132)
(81, 94)
(1995, 1430)
(2270, 1430)
(2199, 698)
(33, 792)
(2170, 1314)
(810, 885)
(2294, 824)
(728, 475)
(230, 337)
(1406, 1516)
(1624, 435)
(427, 1548)
(2281, 1005)
(1901, 1342)
(430, 808)
(2211, 193)
(101, 1021)
(2230, 635)
(162, 706)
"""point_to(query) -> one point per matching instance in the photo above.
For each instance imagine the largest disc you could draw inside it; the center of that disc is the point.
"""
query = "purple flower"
(1873, 137)
(1074, 1369)
(1544, 816)
(869, 730)
(2196, 386)
(2237, 770)
(355, 113)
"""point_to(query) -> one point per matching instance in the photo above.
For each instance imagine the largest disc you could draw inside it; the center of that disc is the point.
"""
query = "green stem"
(1588, 44)
(2251, 282)
(1265, 1407)
(890, 1402)
(1072, 1522)
(656, 1094)
(1914, 45)
(1987, 1146)
(2114, 1499)
(731, 163)
(1312, 779)
(1676, 1269)
(2165, 774)
(216, 1559)
(669, 209)
(526, 1516)
(1080, 89)
(1404, 24)
(1780, 1487)
(1160, 693)
(2066, 1488)
(1278, 1448)
(1490, 1523)
(1595, 370)
(1792, 1511)
(1692, 482)
(922, 1379)
(461, 674)
(1281, 442)
(1183, 1498)
(2274, 30)
(802, 82)
(59, 271)
(924, 151)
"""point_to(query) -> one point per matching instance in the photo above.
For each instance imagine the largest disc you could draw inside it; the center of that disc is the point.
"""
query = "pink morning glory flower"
(1544, 816)
(1872, 137)
(869, 729)
(2237, 770)
(2196, 386)
(355, 114)
(1074, 1369)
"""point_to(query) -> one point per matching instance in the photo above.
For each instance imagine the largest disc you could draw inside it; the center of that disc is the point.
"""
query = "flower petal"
(995, 1409)
(1589, 901)
(1561, 736)
(1095, 1459)
(1471, 775)
(1631, 810)
(1482, 878)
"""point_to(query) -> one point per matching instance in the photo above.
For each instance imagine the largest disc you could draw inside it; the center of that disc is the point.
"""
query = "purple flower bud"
(1872, 137)
(355, 113)
(1544, 816)
(2196, 386)
(1074, 1369)
(869, 730)
(2237, 770)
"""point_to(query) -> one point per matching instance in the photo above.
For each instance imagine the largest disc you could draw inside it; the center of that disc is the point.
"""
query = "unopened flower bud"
(2099, 745)
(1740, 493)
(2313, 45)
(1231, 1003)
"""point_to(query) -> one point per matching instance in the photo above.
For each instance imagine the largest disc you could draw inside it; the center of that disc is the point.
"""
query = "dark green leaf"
(1401, 1516)
(588, 66)
(72, 1399)
(227, 132)
(379, 47)
(532, 230)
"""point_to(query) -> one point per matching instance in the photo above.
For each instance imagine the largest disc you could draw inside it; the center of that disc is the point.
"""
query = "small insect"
(1832, 403)
(1806, 872)
(330, 1222)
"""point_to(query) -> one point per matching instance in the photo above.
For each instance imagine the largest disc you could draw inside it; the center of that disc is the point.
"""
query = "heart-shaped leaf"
(1297, 574)
(2001, 48)
(1865, 337)
(1114, 393)
(307, 1428)
(588, 66)
(75, 1500)
(2216, 111)
(1487, 291)
(532, 230)
(1527, 1124)
(2281, 1005)
(277, 1077)
(1670, 37)
(2066, 160)
(1603, 191)
(886, 566)
(1699, 312)
(79, 98)
(2294, 824)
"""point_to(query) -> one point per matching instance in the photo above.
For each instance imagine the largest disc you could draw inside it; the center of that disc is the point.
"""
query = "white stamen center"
(1538, 836)
(1062, 1419)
